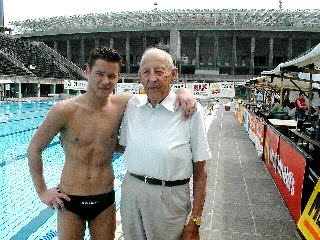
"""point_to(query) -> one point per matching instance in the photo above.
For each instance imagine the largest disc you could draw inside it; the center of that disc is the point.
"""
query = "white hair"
(158, 51)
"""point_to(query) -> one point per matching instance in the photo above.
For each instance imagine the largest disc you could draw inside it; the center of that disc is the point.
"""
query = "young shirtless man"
(88, 125)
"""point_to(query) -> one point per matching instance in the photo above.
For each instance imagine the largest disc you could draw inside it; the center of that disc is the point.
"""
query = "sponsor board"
(256, 133)
(309, 222)
(75, 85)
(222, 89)
(127, 87)
(200, 90)
(177, 85)
(240, 113)
(287, 167)
(246, 119)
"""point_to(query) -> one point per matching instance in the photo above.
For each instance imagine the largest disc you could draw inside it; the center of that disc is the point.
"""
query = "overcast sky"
(32, 9)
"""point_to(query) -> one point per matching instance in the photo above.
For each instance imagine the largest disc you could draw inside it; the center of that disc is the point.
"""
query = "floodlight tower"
(155, 4)
(1, 15)
(280, 4)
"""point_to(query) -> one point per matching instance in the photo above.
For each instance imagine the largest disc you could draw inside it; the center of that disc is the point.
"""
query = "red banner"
(287, 168)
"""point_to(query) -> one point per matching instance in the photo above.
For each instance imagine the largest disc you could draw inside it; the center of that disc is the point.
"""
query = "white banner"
(75, 85)
(177, 85)
(222, 89)
(126, 87)
(200, 90)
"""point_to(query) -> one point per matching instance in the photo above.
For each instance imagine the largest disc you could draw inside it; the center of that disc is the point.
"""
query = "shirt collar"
(167, 103)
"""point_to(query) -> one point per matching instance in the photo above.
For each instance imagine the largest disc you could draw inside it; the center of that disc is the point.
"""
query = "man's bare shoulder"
(121, 98)
(66, 107)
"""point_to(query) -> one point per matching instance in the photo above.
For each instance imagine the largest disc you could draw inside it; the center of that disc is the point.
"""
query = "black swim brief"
(88, 207)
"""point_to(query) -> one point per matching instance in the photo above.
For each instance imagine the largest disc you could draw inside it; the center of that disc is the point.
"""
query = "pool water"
(22, 215)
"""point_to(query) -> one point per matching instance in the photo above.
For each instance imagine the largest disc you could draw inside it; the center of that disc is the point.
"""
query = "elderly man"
(162, 152)
(89, 126)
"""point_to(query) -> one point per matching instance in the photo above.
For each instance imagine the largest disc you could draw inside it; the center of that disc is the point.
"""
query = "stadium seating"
(26, 58)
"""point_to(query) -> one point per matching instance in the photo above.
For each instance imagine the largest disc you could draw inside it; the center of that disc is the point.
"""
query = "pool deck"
(242, 200)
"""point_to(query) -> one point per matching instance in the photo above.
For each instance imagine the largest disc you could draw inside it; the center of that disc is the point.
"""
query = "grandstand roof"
(34, 59)
(302, 20)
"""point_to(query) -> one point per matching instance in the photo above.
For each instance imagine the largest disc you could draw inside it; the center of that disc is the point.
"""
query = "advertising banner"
(240, 113)
(222, 89)
(75, 85)
(200, 90)
(246, 119)
(256, 133)
(252, 128)
(259, 137)
(177, 85)
(286, 167)
(127, 87)
(309, 222)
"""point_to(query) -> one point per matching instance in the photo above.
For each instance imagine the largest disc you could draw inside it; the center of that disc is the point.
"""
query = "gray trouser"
(153, 212)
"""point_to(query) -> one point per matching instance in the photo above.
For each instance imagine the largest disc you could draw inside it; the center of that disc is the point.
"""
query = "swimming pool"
(22, 215)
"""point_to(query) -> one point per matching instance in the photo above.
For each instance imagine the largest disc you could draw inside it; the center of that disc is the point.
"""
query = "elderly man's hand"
(187, 101)
(190, 231)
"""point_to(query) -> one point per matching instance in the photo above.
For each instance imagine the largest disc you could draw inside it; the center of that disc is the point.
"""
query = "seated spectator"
(290, 109)
(301, 106)
(276, 105)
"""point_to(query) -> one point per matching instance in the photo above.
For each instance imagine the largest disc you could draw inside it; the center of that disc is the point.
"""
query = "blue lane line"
(26, 112)
(9, 134)
(18, 120)
(19, 157)
(33, 225)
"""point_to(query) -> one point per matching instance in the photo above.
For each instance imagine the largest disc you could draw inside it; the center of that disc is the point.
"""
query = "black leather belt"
(155, 181)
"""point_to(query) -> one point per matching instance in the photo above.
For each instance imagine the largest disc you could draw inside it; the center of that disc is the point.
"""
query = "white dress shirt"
(159, 142)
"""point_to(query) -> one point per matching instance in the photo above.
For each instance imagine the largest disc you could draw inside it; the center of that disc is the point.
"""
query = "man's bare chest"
(86, 129)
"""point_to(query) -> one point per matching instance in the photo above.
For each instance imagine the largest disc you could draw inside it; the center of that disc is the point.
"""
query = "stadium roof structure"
(297, 69)
(244, 19)
(31, 59)
(311, 57)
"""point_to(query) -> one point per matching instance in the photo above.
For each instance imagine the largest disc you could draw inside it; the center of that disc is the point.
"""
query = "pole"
(281, 93)
(1, 15)
(310, 98)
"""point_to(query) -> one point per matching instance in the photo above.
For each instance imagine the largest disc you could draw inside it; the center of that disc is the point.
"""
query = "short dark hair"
(105, 53)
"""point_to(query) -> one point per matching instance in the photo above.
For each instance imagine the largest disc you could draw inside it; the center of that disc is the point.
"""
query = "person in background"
(286, 100)
(301, 106)
(162, 152)
(276, 105)
(316, 114)
(259, 97)
(315, 102)
(88, 125)
(290, 109)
